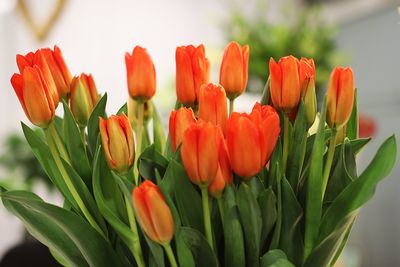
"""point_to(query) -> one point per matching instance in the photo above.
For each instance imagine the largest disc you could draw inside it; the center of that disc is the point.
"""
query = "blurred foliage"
(21, 170)
(301, 32)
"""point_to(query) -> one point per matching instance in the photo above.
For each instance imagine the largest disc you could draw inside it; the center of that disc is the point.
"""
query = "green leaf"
(61, 230)
(269, 213)
(123, 109)
(185, 257)
(266, 93)
(358, 144)
(233, 232)
(158, 131)
(352, 124)
(313, 206)
(291, 240)
(93, 123)
(201, 250)
(150, 161)
(43, 155)
(275, 258)
(75, 147)
(297, 147)
(275, 173)
(250, 216)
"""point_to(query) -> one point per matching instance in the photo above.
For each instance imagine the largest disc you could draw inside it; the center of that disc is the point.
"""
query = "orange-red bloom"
(153, 213)
(224, 173)
(212, 105)
(34, 95)
(285, 86)
(192, 70)
(141, 74)
(179, 121)
(199, 153)
(37, 59)
(340, 96)
(234, 69)
(84, 98)
(59, 70)
(118, 143)
(251, 139)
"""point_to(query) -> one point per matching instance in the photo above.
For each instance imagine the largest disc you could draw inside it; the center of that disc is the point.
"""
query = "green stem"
(221, 209)
(170, 255)
(68, 182)
(206, 215)
(139, 139)
(231, 105)
(135, 246)
(328, 163)
(285, 141)
(59, 143)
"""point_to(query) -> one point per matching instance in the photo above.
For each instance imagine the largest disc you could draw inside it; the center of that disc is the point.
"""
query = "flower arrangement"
(275, 187)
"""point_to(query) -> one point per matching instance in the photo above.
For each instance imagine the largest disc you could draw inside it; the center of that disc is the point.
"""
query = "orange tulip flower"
(307, 82)
(212, 105)
(179, 121)
(340, 96)
(199, 153)
(37, 59)
(118, 143)
(192, 70)
(153, 213)
(285, 87)
(59, 70)
(34, 96)
(84, 98)
(251, 139)
(141, 74)
(234, 69)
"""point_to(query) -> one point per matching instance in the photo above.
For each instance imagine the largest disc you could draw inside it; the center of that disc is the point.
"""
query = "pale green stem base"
(206, 216)
(68, 182)
(135, 246)
(231, 105)
(170, 255)
(139, 140)
(328, 163)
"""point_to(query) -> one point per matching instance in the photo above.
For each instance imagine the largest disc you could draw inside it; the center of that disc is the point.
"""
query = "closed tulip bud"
(285, 87)
(251, 139)
(141, 74)
(212, 105)
(37, 59)
(118, 143)
(153, 213)
(234, 69)
(340, 97)
(133, 111)
(34, 96)
(84, 98)
(179, 121)
(199, 153)
(224, 173)
(59, 70)
(192, 70)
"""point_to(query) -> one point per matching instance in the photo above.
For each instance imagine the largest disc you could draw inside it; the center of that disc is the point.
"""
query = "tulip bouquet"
(274, 187)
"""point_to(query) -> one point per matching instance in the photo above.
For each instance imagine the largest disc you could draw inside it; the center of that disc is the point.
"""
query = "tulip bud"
(118, 143)
(212, 105)
(38, 59)
(153, 213)
(199, 153)
(340, 97)
(34, 96)
(224, 173)
(59, 70)
(192, 70)
(84, 98)
(179, 121)
(234, 69)
(251, 139)
(133, 111)
(141, 74)
(285, 87)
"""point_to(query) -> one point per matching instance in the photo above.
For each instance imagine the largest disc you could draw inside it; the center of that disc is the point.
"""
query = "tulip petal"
(245, 71)
(231, 76)
(345, 97)
(185, 85)
(143, 213)
(332, 96)
(189, 153)
(207, 153)
(290, 83)
(275, 82)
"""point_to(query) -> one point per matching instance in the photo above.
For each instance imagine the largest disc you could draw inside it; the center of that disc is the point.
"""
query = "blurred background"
(95, 34)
